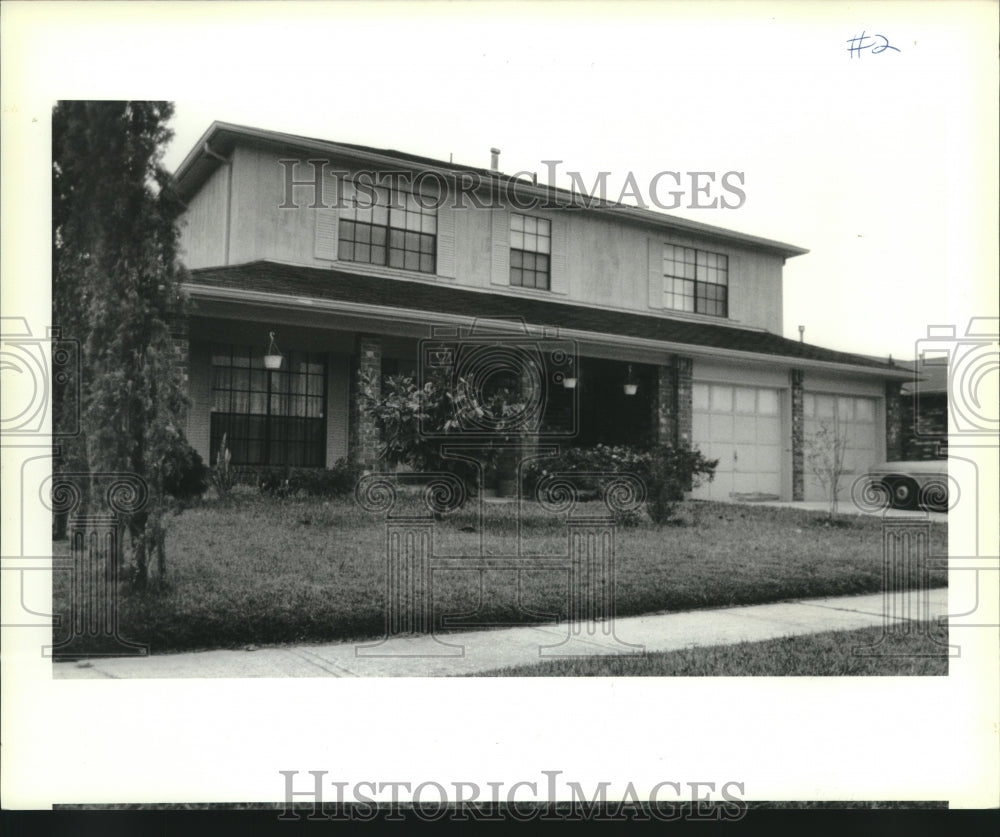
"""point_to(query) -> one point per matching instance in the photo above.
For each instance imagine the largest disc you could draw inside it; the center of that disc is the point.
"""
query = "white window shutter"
(326, 234)
(559, 274)
(500, 273)
(446, 241)
(655, 273)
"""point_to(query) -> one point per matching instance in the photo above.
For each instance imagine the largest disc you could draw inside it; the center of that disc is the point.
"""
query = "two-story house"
(351, 255)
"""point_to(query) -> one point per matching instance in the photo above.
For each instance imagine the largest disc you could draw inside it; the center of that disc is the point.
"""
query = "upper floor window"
(530, 251)
(388, 227)
(695, 281)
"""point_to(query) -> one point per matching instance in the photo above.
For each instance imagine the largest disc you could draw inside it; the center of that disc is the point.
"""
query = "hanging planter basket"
(631, 385)
(273, 358)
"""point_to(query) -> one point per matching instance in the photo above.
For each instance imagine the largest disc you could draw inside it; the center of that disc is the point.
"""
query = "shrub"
(337, 481)
(404, 412)
(667, 473)
(601, 458)
(672, 472)
(185, 475)
(283, 481)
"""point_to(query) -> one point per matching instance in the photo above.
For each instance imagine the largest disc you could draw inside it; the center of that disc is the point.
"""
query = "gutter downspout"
(207, 149)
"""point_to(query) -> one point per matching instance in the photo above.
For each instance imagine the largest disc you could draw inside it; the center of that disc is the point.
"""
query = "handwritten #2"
(857, 44)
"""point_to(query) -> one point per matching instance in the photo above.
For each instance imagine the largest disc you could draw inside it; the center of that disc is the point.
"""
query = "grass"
(829, 654)
(255, 570)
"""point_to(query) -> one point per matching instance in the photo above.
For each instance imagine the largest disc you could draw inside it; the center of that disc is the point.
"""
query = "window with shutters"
(387, 226)
(530, 252)
(695, 280)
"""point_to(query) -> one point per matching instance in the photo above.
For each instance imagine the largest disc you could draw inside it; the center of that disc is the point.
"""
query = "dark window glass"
(695, 281)
(269, 418)
(530, 249)
(387, 227)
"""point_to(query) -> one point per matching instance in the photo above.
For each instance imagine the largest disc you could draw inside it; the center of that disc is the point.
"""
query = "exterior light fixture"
(631, 386)
(570, 379)
(273, 358)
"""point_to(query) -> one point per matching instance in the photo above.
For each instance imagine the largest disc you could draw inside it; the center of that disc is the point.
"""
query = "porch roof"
(284, 284)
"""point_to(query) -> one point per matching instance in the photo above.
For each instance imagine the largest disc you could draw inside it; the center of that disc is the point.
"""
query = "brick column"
(893, 420)
(798, 436)
(671, 405)
(663, 420)
(180, 337)
(364, 439)
(682, 382)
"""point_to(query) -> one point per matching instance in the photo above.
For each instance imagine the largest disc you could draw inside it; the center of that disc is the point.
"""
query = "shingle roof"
(338, 285)
(222, 137)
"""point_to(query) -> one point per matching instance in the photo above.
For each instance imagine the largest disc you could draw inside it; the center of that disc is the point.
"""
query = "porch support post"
(364, 438)
(685, 427)
(663, 418)
(893, 421)
(798, 436)
(671, 420)
(180, 336)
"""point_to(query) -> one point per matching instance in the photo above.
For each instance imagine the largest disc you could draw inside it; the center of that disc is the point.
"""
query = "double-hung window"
(268, 417)
(530, 251)
(387, 226)
(695, 281)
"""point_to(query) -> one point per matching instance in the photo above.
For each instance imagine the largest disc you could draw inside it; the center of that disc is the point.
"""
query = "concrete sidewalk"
(475, 651)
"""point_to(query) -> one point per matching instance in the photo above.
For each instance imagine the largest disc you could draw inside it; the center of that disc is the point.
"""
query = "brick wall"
(924, 426)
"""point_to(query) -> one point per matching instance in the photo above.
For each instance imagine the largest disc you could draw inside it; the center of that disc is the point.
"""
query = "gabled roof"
(222, 137)
(285, 284)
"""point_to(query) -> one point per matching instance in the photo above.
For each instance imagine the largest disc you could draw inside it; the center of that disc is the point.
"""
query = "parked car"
(911, 485)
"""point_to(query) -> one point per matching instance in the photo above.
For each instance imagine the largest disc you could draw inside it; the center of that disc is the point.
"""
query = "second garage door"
(741, 427)
(854, 421)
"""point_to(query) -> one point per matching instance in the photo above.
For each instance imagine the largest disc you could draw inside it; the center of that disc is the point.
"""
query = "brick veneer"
(798, 436)
(893, 421)
(179, 335)
(672, 422)
(925, 426)
(364, 438)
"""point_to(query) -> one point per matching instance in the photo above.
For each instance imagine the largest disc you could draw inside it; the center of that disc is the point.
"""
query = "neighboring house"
(925, 411)
(690, 314)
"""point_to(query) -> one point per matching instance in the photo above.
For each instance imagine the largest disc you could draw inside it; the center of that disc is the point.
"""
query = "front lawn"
(268, 571)
(829, 654)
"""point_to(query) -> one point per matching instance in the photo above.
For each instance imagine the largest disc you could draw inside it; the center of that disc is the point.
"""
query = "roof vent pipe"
(495, 159)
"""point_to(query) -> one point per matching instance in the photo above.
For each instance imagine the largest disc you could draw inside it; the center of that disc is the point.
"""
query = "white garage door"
(854, 421)
(741, 427)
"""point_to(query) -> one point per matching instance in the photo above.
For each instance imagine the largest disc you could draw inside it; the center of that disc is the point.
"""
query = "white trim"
(436, 279)
(382, 313)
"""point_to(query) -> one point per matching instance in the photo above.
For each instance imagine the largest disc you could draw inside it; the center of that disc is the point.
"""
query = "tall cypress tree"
(117, 290)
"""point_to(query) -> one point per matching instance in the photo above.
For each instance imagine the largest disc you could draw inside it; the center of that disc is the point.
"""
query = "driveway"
(846, 507)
